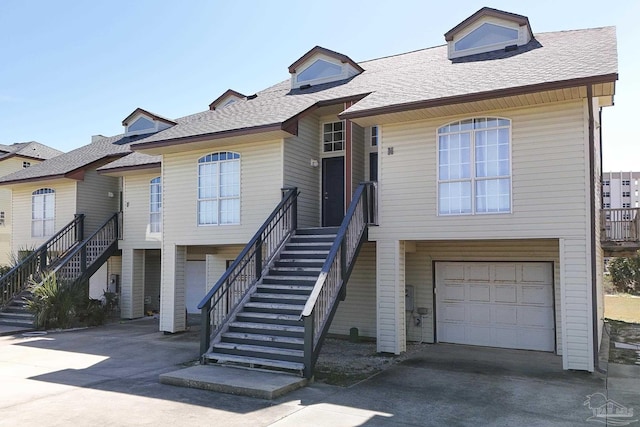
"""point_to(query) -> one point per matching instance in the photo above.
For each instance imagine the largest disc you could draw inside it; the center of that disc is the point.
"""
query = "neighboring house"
(13, 158)
(620, 190)
(475, 243)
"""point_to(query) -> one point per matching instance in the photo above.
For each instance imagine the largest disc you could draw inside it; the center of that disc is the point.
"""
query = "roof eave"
(131, 168)
(480, 96)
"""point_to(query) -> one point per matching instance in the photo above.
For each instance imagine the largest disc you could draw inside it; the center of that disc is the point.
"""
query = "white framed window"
(606, 205)
(606, 182)
(43, 207)
(319, 70)
(626, 194)
(626, 205)
(374, 136)
(474, 167)
(26, 164)
(155, 205)
(626, 182)
(606, 194)
(219, 189)
(486, 36)
(332, 137)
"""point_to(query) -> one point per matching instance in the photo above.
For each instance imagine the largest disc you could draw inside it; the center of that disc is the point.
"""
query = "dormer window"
(488, 30)
(142, 122)
(487, 35)
(227, 98)
(321, 65)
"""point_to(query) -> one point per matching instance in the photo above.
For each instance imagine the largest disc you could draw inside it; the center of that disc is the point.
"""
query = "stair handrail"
(322, 303)
(101, 242)
(37, 262)
(245, 271)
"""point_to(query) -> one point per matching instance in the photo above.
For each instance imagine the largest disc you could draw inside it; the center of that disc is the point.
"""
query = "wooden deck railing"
(621, 225)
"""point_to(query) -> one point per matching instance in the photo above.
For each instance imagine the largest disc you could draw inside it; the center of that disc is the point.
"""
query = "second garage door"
(501, 304)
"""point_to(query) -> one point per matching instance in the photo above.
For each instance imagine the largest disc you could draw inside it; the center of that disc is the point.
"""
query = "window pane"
(492, 195)
(208, 212)
(230, 211)
(455, 197)
(318, 70)
(485, 35)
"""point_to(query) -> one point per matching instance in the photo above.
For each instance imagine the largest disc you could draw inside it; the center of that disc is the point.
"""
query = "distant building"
(620, 190)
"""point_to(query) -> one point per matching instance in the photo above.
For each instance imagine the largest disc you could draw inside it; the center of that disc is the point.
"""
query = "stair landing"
(238, 381)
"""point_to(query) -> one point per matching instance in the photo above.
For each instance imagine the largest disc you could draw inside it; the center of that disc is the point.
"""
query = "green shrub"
(625, 274)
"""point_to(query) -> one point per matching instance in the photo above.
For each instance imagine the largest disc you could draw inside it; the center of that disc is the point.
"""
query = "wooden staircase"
(15, 313)
(268, 330)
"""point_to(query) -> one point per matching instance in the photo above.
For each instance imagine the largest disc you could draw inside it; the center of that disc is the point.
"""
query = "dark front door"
(332, 191)
(373, 167)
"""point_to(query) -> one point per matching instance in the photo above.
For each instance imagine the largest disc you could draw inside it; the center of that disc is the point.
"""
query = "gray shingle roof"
(418, 76)
(63, 164)
(133, 160)
(31, 149)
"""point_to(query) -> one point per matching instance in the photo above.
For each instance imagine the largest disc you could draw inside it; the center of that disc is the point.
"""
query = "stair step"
(274, 280)
(321, 238)
(16, 315)
(269, 307)
(304, 255)
(271, 318)
(262, 339)
(295, 271)
(285, 289)
(287, 354)
(255, 361)
(317, 230)
(306, 245)
(282, 299)
(299, 263)
(267, 328)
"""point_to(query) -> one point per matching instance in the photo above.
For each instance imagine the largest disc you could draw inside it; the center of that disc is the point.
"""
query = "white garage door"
(504, 304)
(196, 284)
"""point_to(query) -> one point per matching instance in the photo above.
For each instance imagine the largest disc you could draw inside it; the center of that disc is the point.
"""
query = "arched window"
(474, 166)
(155, 205)
(219, 189)
(43, 208)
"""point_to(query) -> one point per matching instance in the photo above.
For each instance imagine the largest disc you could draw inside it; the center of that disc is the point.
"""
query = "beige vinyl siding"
(7, 166)
(390, 289)
(597, 185)
(299, 151)
(65, 201)
(357, 155)
(217, 262)
(260, 192)
(419, 270)
(359, 308)
(97, 199)
(547, 149)
(135, 199)
(132, 284)
(172, 288)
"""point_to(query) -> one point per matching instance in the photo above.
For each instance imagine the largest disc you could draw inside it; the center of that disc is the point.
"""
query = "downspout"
(592, 208)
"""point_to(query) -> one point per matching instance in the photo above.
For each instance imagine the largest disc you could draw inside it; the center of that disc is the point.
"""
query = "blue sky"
(72, 69)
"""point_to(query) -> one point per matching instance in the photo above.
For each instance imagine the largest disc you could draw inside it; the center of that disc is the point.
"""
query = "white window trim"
(473, 164)
(43, 220)
(197, 210)
(347, 72)
(151, 212)
(523, 38)
(334, 153)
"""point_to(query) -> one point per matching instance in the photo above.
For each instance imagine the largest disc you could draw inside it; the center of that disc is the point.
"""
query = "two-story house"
(13, 158)
(455, 243)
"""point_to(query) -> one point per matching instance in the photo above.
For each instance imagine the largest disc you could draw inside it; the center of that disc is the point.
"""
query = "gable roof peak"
(154, 116)
(324, 51)
(229, 93)
(491, 12)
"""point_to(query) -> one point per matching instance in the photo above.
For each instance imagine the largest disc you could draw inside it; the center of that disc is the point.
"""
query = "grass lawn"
(625, 308)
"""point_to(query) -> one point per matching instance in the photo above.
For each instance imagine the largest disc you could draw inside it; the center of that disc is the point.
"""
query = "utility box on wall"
(114, 283)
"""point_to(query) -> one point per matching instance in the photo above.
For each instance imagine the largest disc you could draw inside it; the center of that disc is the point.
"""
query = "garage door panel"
(478, 273)
(506, 294)
(505, 273)
(481, 293)
(479, 313)
(454, 292)
(506, 315)
(453, 313)
(535, 317)
(500, 304)
(537, 295)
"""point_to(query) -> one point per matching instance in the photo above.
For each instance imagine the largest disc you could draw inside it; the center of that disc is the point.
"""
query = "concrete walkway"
(109, 376)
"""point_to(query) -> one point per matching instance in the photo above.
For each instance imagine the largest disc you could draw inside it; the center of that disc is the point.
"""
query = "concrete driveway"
(108, 376)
